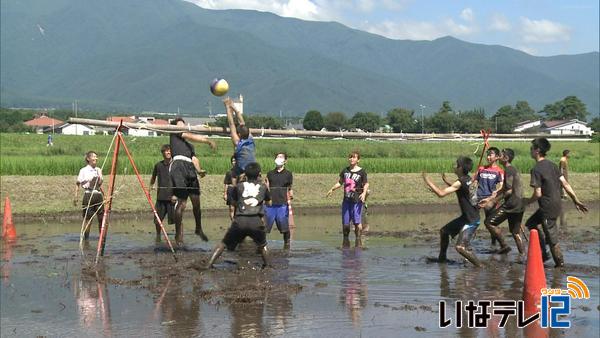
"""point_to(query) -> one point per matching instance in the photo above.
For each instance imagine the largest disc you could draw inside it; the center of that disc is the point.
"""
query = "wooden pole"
(111, 189)
(256, 132)
(148, 197)
(207, 130)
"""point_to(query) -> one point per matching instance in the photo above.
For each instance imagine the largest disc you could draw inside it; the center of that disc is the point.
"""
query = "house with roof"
(74, 129)
(42, 122)
(522, 126)
(566, 127)
(144, 132)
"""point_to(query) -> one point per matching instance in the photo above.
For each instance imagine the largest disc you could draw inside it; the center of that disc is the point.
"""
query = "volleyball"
(219, 87)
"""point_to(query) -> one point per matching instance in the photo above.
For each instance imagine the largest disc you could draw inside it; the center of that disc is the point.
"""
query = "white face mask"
(279, 161)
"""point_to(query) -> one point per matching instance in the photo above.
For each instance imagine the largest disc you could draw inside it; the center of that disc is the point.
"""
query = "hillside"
(161, 55)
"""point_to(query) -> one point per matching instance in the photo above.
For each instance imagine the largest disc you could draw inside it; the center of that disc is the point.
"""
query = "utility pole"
(75, 111)
(422, 119)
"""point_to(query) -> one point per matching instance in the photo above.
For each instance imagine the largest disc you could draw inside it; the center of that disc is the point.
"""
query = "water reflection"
(7, 254)
(279, 302)
(180, 310)
(92, 300)
(354, 291)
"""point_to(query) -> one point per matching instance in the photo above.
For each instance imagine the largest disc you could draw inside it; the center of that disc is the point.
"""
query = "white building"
(567, 127)
(141, 132)
(239, 104)
(527, 125)
(74, 129)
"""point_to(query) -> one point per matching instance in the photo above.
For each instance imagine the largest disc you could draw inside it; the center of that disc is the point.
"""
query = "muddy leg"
(286, 240)
(516, 234)
(264, 252)
(444, 242)
(231, 212)
(346, 240)
(198, 216)
(358, 234)
(462, 244)
(488, 211)
(468, 255)
(216, 253)
(545, 255)
(559, 261)
(496, 233)
(180, 207)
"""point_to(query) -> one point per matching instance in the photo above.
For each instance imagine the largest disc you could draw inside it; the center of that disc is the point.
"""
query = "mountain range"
(160, 55)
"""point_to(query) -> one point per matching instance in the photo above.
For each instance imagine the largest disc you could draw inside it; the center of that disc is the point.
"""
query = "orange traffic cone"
(8, 228)
(535, 277)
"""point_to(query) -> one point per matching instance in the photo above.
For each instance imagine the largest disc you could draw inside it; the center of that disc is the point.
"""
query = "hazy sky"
(538, 27)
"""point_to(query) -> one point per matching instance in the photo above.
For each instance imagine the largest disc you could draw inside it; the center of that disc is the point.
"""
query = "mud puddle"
(386, 288)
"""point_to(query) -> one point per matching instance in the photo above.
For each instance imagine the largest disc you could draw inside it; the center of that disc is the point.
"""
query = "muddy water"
(318, 288)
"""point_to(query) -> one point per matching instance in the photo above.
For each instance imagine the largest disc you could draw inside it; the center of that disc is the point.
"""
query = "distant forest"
(444, 120)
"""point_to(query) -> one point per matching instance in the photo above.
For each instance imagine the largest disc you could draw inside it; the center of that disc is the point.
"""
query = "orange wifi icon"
(577, 288)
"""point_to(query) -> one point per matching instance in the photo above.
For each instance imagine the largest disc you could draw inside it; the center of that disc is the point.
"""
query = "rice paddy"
(27, 154)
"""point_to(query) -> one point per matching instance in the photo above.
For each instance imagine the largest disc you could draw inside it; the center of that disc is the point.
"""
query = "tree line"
(445, 120)
(448, 120)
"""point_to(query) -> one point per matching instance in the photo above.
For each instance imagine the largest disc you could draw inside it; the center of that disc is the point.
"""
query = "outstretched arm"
(445, 179)
(580, 206)
(239, 115)
(440, 192)
(199, 139)
(235, 139)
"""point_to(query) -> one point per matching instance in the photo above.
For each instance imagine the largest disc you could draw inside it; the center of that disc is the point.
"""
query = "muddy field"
(386, 288)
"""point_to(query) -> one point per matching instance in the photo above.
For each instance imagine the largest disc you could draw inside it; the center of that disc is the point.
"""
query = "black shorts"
(548, 226)
(461, 226)
(96, 205)
(500, 215)
(242, 226)
(164, 208)
(184, 179)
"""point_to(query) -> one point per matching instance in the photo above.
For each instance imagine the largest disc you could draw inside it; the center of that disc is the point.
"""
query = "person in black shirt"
(512, 208)
(228, 189)
(164, 193)
(249, 197)
(354, 180)
(279, 181)
(184, 178)
(546, 181)
(466, 224)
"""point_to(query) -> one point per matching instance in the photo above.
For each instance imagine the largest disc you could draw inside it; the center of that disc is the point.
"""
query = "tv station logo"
(555, 306)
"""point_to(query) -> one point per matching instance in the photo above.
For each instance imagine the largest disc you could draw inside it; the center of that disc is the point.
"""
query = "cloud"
(395, 5)
(420, 30)
(527, 49)
(406, 30)
(467, 15)
(365, 5)
(544, 31)
(454, 28)
(301, 9)
(499, 22)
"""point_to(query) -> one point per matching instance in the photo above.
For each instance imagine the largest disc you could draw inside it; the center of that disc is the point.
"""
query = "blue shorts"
(351, 212)
(279, 215)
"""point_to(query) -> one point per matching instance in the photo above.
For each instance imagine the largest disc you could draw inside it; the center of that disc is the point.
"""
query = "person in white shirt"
(90, 180)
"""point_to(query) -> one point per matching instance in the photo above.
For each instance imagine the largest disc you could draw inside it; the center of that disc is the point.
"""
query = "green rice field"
(27, 154)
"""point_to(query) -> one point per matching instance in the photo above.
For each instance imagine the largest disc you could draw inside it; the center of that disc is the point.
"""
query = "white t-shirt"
(87, 174)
